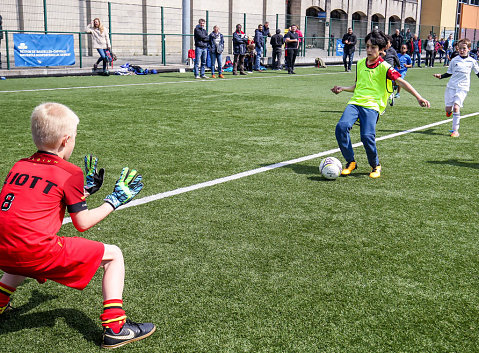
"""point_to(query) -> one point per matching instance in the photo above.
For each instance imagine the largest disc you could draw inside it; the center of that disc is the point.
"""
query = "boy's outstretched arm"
(407, 86)
(339, 89)
(126, 188)
(86, 219)
(439, 76)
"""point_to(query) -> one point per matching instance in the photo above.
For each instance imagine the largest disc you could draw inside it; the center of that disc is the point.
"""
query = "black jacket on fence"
(277, 41)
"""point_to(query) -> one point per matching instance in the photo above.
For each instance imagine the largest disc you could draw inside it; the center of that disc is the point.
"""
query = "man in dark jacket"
(397, 40)
(258, 45)
(239, 50)
(349, 41)
(1, 37)
(277, 42)
(266, 34)
(201, 48)
(292, 43)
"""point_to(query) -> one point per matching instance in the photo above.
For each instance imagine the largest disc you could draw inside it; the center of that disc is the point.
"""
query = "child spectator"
(35, 194)
(405, 62)
(370, 95)
(459, 71)
(440, 49)
(250, 57)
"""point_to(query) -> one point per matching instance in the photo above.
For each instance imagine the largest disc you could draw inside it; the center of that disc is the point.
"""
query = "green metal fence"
(140, 30)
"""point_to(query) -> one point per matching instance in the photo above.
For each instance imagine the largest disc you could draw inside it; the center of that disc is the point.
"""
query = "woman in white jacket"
(101, 41)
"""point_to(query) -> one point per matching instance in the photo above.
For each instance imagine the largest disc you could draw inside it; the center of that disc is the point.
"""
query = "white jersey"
(460, 68)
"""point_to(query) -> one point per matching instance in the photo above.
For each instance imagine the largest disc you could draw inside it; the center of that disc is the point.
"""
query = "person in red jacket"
(415, 46)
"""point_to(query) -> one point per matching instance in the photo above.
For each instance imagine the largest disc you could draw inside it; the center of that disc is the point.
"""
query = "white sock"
(456, 117)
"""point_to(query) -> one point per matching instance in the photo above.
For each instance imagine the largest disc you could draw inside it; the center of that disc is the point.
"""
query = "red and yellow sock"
(113, 315)
(5, 293)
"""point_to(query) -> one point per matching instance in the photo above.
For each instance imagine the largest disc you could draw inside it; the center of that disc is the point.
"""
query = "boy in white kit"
(456, 90)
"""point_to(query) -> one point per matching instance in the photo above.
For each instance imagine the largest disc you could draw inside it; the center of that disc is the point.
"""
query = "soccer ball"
(330, 168)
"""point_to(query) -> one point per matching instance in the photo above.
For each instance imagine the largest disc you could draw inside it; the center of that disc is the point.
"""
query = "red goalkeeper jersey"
(35, 194)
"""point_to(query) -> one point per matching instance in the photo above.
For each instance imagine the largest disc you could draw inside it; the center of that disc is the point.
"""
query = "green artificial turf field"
(278, 261)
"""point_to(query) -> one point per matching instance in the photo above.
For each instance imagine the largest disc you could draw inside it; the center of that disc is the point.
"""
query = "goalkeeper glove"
(126, 187)
(94, 180)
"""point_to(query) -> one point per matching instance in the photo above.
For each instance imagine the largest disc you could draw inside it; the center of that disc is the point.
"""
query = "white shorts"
(454, 96)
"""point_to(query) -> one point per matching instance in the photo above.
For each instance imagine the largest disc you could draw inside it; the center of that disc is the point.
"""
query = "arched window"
(394, 23)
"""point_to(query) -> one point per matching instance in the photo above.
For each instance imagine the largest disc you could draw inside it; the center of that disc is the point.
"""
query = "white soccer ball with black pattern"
(330, 168)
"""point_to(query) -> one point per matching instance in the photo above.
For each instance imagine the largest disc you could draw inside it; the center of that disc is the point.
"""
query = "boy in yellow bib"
(373, 86)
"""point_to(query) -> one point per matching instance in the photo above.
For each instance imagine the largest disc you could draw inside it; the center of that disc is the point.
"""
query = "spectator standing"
(449, 48)
(239, 50)
(397, 40)
(292, 42)
(416, 49)
(201, 48)
(249, 59)
(277, 42)
(349, 40)
(407, 36)
(1, 37)
(430, 46)
(101, 41)
(258, 42)
(301, 38)
(440, 45)
(266, 34)
(216, 45)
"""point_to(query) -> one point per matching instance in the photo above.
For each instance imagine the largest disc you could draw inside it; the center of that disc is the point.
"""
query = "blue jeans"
(417, 55)
(367, 120)
(348, 64)
(102, 58)
(215, 57)
(259, 54)
(200, 56)
(446, 58)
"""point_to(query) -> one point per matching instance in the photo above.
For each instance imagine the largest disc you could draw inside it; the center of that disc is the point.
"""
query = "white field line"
(205, 184)
(168, 82)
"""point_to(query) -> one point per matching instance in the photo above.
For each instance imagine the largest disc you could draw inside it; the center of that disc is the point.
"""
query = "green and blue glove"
(126, 188)
(94, 179)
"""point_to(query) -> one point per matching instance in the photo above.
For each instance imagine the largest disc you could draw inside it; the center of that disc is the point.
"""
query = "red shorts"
(74, 266)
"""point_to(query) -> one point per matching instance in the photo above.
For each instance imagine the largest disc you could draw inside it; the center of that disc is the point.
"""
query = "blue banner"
(43, 49)
(339, 47)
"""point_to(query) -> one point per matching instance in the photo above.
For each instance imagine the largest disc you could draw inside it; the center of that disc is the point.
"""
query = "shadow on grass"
(424, 132)
(309, 169)
(18, 319)
(457, 163)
